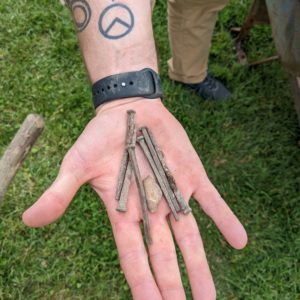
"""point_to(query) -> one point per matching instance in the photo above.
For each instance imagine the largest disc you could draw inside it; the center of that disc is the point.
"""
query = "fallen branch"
(18, 149)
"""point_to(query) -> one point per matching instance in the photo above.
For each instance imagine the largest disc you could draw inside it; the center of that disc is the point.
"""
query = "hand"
(96, 157)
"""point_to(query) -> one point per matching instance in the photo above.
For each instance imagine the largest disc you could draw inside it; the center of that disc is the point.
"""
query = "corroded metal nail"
(131, 130)
(130, 145)
(122, 204)
(183, 205)
(121, 177)
(152, 147)
(157, 173)
(171, 180)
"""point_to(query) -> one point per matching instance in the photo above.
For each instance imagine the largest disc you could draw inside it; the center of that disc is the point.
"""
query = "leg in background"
(191, 24)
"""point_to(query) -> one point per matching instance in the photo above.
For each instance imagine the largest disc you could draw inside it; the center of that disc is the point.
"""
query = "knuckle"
(140, 284)
(175, 292)
(59, 202)
(191, 239)
(210, 201)
(132, 256)
(75, 163)
(163, 256)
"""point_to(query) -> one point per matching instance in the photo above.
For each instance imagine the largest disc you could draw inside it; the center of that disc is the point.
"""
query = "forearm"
(114, 37)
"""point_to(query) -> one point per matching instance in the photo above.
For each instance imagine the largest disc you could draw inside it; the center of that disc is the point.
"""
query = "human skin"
(96, 156)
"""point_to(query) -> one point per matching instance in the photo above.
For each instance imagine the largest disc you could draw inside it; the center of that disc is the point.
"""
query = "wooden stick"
(18, 149)
(166, 192)
(153, 152)
(130, 145)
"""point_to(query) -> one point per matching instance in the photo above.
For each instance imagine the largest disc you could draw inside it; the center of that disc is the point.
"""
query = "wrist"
(124, 104)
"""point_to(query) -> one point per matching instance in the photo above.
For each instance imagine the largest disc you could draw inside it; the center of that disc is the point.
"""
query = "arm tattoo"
(116, 21)
(82, 13)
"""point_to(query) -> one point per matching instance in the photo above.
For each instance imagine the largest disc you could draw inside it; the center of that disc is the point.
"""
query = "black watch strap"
(145, 83)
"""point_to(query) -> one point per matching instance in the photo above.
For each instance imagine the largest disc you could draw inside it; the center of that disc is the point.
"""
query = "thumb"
(54, 201)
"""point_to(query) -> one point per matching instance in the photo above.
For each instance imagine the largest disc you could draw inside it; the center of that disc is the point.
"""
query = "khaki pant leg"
(191, 24)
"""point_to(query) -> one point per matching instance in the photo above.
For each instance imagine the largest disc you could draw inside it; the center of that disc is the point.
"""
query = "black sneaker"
(209, 89)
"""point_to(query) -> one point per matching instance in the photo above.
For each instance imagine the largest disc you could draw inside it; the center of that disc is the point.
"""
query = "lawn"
(248, 146)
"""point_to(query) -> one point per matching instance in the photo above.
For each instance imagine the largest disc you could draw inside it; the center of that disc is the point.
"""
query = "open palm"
(96, 158)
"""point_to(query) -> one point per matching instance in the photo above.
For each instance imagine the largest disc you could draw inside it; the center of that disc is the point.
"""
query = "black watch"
(145, 83)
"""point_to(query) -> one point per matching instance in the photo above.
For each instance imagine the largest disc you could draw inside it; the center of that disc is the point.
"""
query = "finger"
(164, 260)
(190, 243)
(54, 201)
(134, 261)
(216, 208)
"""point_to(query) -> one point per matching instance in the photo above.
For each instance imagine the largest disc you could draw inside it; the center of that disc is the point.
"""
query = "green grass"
(248, 146)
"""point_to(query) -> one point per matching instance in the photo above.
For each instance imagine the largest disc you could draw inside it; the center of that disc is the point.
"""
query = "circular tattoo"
(81, 12)
(116, 21)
